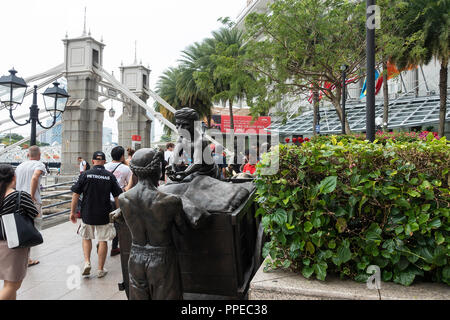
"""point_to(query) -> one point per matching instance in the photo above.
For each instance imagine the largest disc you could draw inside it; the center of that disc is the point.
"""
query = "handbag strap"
(18, 199)
(116, 168)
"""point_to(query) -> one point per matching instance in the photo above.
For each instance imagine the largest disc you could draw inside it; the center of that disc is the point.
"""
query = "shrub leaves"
(339, 205)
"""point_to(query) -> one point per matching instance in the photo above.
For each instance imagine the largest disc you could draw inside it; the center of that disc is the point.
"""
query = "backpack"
(88, 166)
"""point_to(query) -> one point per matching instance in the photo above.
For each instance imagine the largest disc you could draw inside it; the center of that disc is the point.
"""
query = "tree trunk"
(337, 105)
(231, 116)
(443, 75)
(386, 96)
(316, 110)
(209, 120)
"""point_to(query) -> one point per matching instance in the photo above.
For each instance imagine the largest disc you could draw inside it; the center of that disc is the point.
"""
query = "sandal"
(32, 263)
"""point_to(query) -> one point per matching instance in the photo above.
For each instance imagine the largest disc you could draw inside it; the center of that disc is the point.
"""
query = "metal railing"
(57, 185)
(57, 204)
(56, 214)
(56, 195)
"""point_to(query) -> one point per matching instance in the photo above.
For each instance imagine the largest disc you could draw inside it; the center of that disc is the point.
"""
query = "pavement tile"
(60, 251)
(45, 291)
(27, 286)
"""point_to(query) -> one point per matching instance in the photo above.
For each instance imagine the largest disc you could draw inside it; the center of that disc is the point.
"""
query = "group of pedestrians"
(24, 181)
(247, 169)
(100, 187)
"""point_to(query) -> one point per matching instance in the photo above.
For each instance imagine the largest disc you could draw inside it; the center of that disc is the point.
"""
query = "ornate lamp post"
(344, 69)
(12, 93)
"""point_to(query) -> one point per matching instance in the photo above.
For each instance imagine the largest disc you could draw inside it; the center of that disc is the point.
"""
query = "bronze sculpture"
(150, 216)
(162, 223)
(190, 147)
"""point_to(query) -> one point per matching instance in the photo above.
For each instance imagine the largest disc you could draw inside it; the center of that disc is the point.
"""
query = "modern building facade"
(52, 136)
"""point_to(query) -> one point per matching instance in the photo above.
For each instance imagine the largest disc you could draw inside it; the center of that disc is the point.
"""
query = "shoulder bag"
(19, 229)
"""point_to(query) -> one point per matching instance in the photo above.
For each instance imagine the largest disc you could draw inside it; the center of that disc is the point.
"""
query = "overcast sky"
(32, 33)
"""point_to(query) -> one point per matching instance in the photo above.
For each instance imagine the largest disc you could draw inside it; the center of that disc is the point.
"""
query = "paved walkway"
(60, 253)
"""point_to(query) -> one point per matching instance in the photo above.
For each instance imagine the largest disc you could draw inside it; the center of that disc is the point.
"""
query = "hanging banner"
(242, 124)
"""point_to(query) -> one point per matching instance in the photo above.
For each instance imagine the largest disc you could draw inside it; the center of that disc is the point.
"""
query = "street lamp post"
(370, 49)
(344, 94)
(12, 93)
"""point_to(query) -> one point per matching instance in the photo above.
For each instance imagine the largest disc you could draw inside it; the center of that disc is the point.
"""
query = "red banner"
(136, 138)
(246, 124)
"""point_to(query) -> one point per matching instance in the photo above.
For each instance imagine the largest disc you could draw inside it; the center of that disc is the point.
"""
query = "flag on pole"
(328, 86)
(364, 89)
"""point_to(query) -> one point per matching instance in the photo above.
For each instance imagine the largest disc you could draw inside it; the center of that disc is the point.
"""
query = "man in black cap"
(96, 185)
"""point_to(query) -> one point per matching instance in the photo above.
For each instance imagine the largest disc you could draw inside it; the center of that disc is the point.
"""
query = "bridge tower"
(134, 120)
(83, 119)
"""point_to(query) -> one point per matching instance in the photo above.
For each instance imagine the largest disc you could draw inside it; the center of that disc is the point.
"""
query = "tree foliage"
(222, 75)
(208, 72)
(302, 44)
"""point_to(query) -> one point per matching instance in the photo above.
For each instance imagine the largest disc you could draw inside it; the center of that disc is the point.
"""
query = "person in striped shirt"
(13, 262)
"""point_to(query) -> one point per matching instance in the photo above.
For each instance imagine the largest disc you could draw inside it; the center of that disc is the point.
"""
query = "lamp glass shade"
(12, 90)
(112, 113)
(61, 104)
(55, 100)
(50, 105)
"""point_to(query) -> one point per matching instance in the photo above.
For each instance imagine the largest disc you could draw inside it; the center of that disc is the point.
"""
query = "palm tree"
(227, 42)
(215, 66)
(426, 27)
(170, 87)
(194, 59)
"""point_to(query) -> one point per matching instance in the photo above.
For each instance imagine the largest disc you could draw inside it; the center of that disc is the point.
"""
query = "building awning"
(405, 112)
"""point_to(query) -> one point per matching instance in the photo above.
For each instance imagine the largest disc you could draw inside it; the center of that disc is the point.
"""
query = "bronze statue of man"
(151, 215)
(191, 149)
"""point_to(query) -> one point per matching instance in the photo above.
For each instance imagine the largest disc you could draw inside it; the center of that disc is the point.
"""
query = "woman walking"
(13, 262)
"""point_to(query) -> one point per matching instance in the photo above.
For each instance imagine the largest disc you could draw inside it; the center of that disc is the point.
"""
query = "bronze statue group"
(151, 212)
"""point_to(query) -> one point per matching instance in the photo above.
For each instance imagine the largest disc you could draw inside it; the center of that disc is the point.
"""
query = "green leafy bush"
(341, 206)
(383, 137)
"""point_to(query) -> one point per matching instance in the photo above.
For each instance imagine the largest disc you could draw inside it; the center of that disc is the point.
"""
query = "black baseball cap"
(99, 155)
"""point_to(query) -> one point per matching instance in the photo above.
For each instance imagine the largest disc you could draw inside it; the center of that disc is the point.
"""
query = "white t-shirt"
(82, 164)
(24, 174)
(123, 173)
(168, 156)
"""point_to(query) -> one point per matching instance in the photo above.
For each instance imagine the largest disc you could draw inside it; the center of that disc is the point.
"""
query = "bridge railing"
(55, 196)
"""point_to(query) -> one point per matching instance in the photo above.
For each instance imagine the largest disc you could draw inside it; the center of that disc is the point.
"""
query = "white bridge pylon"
(130, 95)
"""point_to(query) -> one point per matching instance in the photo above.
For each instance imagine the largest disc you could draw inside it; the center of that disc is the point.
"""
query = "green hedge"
(340, 206)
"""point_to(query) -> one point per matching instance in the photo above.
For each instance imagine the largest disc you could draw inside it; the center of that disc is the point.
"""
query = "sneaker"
(102, 273)
(115, 252)
(87, 269)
